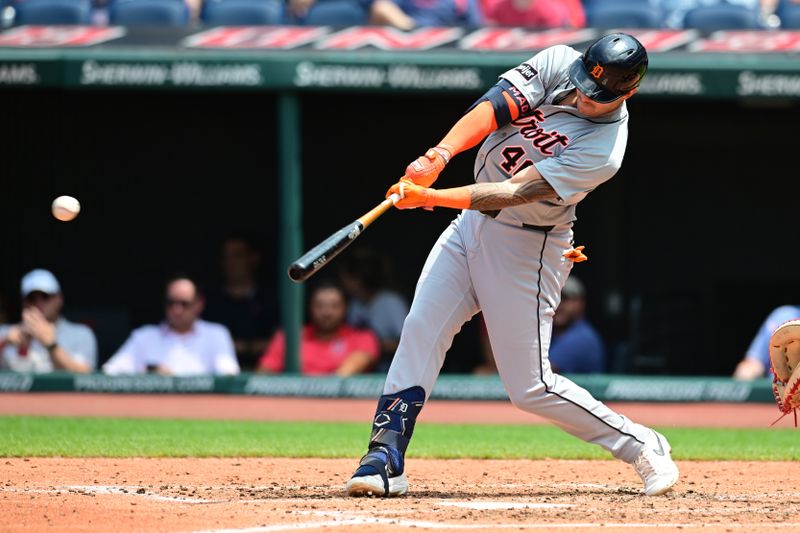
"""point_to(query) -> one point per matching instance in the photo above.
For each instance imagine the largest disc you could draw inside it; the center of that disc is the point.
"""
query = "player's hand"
(37, 326)
(576, 255)
(411, 195)
(426, 168)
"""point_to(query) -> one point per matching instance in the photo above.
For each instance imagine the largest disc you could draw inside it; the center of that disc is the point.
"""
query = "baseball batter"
(555, 128)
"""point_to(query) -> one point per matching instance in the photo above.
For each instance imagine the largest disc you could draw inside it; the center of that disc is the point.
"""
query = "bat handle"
(369, 217)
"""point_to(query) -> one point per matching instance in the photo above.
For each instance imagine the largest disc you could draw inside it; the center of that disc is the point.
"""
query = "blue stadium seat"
(53, 12)
(722, 17)
(243, 12)
(790, 19)
(789, 15)
(148, 13)
(336, 13)
(623, 15)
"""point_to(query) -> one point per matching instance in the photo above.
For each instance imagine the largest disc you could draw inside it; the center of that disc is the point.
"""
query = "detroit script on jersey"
(574, 153)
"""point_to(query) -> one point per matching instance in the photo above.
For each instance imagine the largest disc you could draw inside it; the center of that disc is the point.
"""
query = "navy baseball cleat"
(380, 473)
(655, 465)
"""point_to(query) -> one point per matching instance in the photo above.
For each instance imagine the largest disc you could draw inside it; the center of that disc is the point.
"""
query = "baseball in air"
(65, 208)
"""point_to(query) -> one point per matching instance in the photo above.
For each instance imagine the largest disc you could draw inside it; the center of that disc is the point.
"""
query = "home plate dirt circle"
(252, 495)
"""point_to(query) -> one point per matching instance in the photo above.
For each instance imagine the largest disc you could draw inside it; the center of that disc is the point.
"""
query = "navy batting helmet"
(610, 67)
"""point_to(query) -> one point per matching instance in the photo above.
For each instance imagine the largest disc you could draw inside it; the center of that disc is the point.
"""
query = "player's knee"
(529, 399)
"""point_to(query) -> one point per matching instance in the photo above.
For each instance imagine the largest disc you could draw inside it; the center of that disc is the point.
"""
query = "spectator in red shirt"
(327, 344)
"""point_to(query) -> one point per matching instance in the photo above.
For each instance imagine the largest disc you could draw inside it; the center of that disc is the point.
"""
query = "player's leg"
(443, 301)
(518, 301)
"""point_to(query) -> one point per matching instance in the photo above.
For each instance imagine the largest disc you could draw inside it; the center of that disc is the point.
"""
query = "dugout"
(690, 245)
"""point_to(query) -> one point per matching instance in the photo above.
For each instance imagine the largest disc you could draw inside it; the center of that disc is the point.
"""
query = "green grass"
(118, 437)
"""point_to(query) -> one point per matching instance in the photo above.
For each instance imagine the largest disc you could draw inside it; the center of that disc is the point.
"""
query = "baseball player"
(555, 128)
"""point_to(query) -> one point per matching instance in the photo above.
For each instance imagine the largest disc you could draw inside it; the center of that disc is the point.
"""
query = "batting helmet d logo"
(597, 71)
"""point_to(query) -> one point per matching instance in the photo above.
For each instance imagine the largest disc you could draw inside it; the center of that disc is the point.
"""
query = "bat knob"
(296, 273)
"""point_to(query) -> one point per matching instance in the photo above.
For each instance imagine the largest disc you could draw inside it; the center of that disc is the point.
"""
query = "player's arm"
(524, 187)
(497, 107)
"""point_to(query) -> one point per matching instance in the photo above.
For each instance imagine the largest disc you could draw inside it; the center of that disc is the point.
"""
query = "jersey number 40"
(511, 159)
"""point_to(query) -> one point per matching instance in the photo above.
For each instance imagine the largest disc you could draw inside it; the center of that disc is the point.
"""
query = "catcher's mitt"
(784, 355)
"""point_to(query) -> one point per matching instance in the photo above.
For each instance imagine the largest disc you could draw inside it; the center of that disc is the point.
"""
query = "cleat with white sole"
(373, 486)
(655, 466)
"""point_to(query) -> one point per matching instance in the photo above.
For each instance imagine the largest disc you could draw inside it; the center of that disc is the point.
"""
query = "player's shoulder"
(558, 53)
(564, 49)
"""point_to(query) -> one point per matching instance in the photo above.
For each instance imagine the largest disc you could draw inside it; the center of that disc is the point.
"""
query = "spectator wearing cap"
(182, 345)
(44, 341)
(575, 348)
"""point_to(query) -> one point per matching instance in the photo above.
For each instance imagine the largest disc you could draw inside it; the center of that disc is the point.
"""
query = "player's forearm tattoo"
(488, 196)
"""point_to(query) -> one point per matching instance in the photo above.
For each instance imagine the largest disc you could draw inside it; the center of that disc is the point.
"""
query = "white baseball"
(65, 208)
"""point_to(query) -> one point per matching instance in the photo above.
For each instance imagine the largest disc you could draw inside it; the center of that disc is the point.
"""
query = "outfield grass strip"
(22, 436)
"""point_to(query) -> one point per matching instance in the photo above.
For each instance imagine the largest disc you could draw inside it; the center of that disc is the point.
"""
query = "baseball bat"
(321, 254)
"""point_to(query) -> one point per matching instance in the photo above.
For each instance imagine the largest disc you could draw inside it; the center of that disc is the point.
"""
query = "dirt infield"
(265, 495)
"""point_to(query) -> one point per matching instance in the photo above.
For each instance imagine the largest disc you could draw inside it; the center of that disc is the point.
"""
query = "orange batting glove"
(413, 195)
(426, 168)
(576, 255)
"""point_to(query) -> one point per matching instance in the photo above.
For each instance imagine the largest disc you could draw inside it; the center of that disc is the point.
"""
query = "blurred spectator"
(373, 303)
(755, 363)
(410, 14)
(576, 347)
(674, 11)
(327, 344)
(241, 302)
(535, 13)
(182, 345)
(45, 341)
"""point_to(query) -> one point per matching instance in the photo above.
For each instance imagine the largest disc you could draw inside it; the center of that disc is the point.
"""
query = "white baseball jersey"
(572, 152)
(513, 273)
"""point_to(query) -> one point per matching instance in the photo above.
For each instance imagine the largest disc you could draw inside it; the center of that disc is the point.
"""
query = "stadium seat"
(722, 17)
(52, 12)
(789, 15)
(336, 13)
(242, 12)
(148, 13)
(623, 15)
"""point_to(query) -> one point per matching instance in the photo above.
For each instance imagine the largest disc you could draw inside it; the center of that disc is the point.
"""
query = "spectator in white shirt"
(44, 341)
(182, 345)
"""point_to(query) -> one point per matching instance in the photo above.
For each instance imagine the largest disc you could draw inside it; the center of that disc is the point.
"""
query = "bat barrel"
(321, 254)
